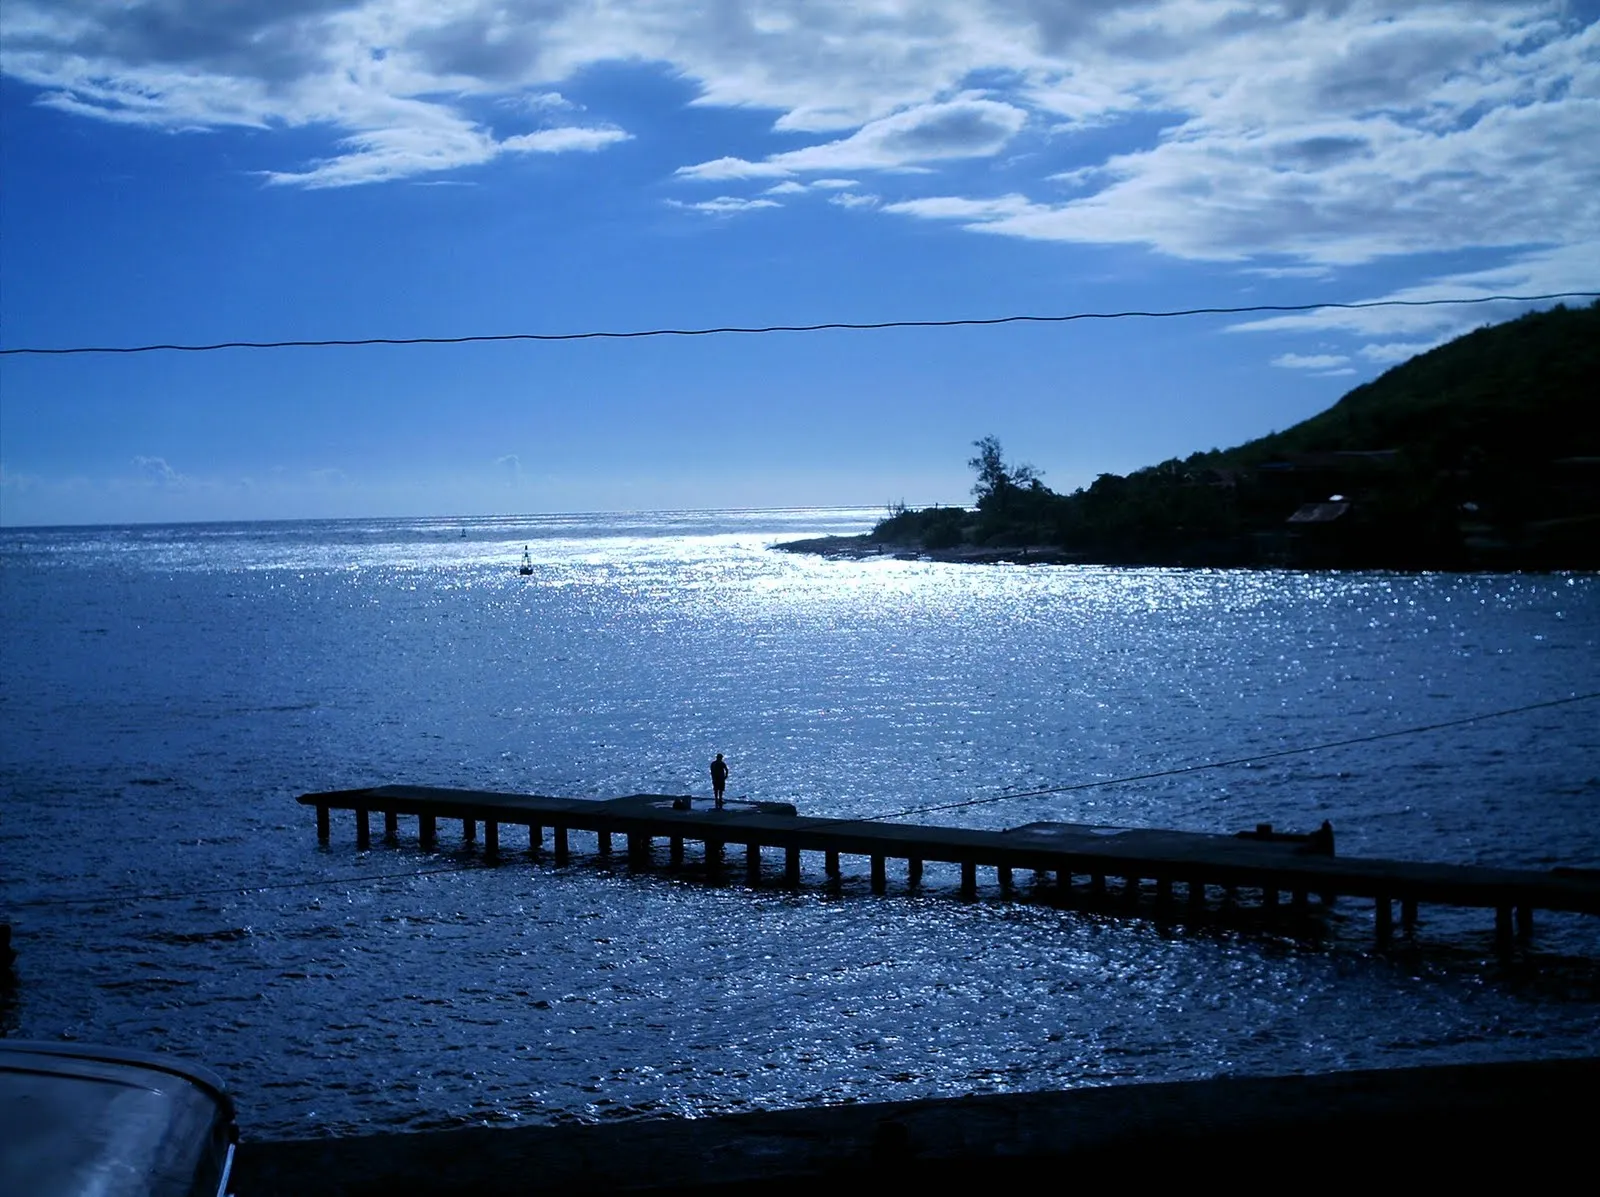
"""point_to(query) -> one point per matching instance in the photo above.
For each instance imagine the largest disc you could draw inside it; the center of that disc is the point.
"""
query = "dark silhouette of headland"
(1483, 453)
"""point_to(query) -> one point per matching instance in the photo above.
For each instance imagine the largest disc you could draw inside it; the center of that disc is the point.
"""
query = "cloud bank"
(1294, 136)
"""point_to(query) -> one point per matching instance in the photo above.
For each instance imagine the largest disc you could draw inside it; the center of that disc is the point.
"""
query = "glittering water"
(165, 692)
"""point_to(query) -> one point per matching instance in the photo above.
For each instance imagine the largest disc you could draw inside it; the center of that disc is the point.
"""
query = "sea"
(167, 691)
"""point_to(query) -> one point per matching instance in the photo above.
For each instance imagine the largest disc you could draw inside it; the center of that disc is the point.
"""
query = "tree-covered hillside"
(1484, 452)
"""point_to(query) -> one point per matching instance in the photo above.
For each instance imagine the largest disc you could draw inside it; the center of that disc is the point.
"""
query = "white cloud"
(976, 213)
(849, 199)
(1310, 361)
(787, 187)
(967, 127)
(1294, 134)
(726, 205)
(156, 471)
(1568, 268)
(566, 140)
(1389, 353)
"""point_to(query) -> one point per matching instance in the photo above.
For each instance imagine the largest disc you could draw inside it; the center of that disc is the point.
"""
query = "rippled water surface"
(167, 691)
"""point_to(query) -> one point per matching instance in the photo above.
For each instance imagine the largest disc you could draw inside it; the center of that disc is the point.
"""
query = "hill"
(1481, 453)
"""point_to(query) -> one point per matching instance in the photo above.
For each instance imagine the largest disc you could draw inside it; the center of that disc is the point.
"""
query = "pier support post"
(1002, 874)
(469, 830)
(638, 849)
(363, 832)
(1384, 912)
(1064, 884)
(914, 872)
(830, 863)
(714, 858)
(1408, 915)
(1097, 886)
(969, 879)
(879, 878)
(535, 838)
(1197, 895)
(391, 826)
(1163, 892)
(1269, 899)
(1302, 903)
(604, 838)
(1502, 927)
(427, 830)
(791, 867)
(1524, 922)
(563, 851)
(752, 862)
(322, 825)
(1130, 890)
(491, 839)
(676, 849)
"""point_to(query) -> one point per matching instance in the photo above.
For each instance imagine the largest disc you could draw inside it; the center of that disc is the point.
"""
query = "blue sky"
(180, 171)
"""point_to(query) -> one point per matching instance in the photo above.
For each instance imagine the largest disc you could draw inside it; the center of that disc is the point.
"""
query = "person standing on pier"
(719, 779)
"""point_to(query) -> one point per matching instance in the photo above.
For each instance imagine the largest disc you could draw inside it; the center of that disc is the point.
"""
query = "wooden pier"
(1109, 867)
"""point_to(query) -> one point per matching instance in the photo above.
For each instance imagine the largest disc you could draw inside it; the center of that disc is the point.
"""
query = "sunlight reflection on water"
(167, 692)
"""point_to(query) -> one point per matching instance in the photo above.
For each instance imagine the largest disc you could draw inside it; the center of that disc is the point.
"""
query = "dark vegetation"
(1481, 453)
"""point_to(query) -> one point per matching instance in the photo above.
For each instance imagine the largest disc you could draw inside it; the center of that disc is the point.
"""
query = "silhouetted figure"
(1320, 841)
(719, 779)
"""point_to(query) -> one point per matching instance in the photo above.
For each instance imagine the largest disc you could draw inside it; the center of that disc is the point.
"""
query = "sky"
(185, 171)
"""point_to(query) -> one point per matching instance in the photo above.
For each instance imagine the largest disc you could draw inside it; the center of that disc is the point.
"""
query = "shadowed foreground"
(1428, 1123)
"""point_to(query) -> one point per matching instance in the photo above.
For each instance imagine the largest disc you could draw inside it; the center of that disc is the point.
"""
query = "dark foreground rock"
(1531, 1121)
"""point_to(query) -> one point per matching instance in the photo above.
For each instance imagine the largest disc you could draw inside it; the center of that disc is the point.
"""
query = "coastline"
(863, 547)
(1449, 1121)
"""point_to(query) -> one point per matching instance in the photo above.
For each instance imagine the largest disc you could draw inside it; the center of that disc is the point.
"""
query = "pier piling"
(1132, 857)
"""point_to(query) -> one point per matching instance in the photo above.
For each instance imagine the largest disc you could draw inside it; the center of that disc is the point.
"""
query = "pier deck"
(1067, 851)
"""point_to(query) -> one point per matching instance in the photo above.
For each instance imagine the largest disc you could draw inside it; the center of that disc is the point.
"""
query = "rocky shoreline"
(863, 548)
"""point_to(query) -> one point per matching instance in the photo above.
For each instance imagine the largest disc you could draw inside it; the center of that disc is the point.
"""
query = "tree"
(995, 476)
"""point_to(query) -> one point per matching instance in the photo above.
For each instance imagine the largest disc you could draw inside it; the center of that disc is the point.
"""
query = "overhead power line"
(1241, 760)
(832, 326)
